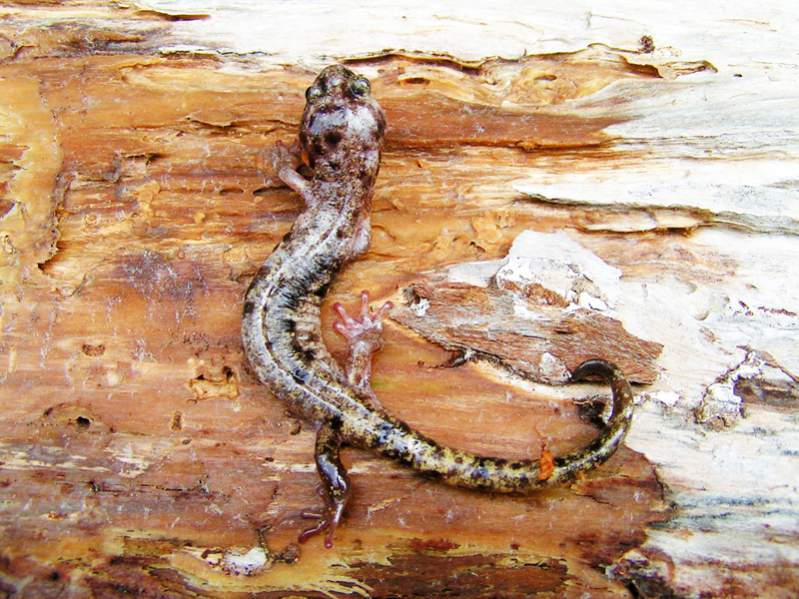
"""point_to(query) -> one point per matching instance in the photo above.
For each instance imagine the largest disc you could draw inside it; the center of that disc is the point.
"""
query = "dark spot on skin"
(300, 376)
(318, 148)
(291, 302)
(286, 237)
(384, 433)
(406, 458)
(308, 355)
(335, 423)
(480, 474)
(330, 263)
(248, 308)
(378, 441)
(289, 325)
(459, 459)
(82, 422)
(560, 461)
(322, 290)
(334, 165)
(332, 138)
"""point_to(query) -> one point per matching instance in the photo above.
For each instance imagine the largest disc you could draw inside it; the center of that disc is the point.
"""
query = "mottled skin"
(340, 141)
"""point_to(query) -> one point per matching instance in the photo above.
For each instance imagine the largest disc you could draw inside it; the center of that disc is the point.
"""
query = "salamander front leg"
(364, 337)
(285, 162)
(335, 488)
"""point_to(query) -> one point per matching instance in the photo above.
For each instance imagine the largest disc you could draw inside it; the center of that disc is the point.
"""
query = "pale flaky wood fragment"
(643, 159)
(484, 323)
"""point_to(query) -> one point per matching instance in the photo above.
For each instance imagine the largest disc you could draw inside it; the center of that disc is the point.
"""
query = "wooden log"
(627, 178)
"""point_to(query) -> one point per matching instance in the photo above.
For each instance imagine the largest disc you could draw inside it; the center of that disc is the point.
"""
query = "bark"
(558, 184)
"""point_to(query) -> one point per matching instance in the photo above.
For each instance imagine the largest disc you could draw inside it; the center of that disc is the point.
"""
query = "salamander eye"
(313, 93)
(359, 87)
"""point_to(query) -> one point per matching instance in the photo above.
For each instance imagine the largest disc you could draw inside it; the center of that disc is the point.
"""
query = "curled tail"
(605, 445)
(463, 469)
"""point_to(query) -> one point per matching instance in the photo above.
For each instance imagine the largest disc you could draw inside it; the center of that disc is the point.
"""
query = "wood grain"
(140, 457)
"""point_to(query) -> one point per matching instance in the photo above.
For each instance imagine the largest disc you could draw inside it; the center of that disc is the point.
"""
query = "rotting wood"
(540, 312)
(140, 457)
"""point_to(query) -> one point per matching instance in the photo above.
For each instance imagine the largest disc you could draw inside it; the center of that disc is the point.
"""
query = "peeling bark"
(539, 312)
(623, 175)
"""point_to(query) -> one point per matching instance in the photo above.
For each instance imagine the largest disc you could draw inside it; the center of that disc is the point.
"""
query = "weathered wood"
(531, 313)
(636, 168)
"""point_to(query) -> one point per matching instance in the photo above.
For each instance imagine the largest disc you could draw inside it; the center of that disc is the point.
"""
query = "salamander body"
(340, 142)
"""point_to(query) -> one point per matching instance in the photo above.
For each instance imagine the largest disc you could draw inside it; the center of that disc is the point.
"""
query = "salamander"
(338, 148)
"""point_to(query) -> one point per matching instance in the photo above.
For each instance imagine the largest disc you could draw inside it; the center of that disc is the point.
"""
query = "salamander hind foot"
(335, 488)
(326, 521)
(364, 338)
(366, 328)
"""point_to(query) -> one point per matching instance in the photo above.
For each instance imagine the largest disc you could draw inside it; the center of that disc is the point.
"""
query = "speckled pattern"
(340, 140)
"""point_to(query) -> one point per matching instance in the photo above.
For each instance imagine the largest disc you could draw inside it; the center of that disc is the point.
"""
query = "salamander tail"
(394, 439)
(599, 450)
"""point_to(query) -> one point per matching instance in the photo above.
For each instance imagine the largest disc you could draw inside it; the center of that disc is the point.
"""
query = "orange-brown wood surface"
(141, 458)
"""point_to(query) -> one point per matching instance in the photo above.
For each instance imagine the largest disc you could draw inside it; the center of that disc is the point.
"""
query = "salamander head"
(342, 126)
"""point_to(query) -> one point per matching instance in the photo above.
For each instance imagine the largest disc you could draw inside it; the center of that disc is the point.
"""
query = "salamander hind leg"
(364, 337)
(335, 486)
